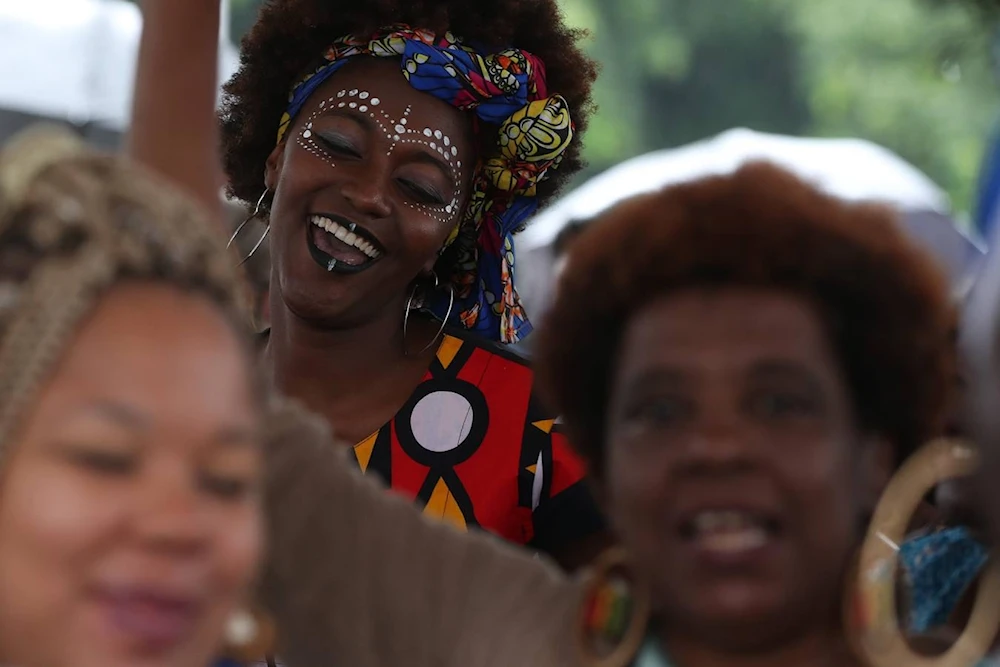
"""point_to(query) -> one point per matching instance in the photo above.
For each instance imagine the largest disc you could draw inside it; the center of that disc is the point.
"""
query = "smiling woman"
(130, 523)
(394, 150)
(759, 359)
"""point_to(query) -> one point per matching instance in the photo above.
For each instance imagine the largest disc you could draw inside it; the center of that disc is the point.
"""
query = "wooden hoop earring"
(876, 630)
(614, 615)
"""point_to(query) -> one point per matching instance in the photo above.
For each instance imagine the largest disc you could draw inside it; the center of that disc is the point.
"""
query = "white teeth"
(346, 235)
(734, 542)
(729, 531)
(721, 520)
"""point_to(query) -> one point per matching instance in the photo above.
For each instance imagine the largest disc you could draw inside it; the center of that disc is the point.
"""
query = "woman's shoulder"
(471, 340)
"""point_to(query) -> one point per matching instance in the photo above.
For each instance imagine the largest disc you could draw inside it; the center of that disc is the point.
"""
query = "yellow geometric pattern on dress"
(363, 451)
(442, 505)
(545, 426)
(448, 349)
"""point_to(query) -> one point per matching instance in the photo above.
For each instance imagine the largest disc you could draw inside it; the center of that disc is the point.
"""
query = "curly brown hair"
(291, 35)
(884, 304)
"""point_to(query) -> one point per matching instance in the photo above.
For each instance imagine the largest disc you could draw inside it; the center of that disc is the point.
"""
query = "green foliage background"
(913, 75)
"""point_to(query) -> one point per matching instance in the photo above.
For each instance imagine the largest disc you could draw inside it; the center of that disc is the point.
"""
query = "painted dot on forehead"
(363, 94)
(427, 131)
(354, 91)
(376, 101)
(341, 93)
(437, 134)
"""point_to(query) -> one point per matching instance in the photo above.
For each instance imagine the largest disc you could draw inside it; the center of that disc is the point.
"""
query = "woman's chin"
(738, 616)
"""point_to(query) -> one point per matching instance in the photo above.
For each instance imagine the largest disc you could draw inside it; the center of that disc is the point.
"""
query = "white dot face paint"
(396, 132)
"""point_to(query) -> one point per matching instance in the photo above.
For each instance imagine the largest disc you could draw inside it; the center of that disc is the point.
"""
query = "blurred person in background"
(393, 150)
(130, 517)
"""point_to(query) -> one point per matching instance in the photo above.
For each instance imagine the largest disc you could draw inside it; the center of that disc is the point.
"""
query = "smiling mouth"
(341, 246)
(152, 620)
(729, 532)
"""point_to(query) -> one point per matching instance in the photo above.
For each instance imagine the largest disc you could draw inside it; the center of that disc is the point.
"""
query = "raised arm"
(174, 129)
(357, 577)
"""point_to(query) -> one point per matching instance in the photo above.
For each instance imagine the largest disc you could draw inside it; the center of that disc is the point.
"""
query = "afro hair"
(883, 302)
(291, 35)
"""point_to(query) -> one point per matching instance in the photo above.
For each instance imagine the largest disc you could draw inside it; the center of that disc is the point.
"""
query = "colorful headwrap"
(506, 89)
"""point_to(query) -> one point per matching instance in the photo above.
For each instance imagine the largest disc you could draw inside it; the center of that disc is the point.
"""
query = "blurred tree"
(242, 16)
(913, 75)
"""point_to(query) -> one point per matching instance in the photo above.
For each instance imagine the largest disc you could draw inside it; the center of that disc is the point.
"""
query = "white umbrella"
(74, 60)
(851, 169)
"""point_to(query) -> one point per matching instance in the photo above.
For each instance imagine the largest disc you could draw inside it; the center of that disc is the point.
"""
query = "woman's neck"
(355, 376)
(825, 647)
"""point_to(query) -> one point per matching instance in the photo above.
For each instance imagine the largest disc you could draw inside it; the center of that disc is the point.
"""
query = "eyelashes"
(337, 145)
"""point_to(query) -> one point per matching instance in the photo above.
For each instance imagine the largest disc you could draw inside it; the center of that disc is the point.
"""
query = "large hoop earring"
(612, 617)
(873, 626)
(409, 306)
(256, 212)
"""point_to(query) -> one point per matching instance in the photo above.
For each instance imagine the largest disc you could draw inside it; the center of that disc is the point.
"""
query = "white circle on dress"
(441, 421)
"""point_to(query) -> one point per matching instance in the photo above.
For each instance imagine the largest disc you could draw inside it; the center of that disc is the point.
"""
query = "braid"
(72, 224)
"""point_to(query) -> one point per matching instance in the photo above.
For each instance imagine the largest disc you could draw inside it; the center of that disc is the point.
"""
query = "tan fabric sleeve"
(357, 578)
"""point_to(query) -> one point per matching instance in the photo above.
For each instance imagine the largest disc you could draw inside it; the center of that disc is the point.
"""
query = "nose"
(171, 514)
(367, 190)
(718, 445)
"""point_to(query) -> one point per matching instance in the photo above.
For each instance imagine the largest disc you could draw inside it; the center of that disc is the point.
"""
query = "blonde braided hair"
(72, 224)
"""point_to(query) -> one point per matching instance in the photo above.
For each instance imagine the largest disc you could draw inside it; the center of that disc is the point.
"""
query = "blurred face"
(129, 510)
(371, 179)
(735, 475)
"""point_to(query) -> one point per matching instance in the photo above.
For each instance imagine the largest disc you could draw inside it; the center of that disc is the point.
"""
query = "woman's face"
(372, 177)
(736, 477)
(129, 510)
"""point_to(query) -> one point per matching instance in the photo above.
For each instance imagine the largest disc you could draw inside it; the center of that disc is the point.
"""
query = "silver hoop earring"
(444, 322)
(256, 212)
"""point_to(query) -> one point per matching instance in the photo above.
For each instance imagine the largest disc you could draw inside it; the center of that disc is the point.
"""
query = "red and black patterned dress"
(473, 446)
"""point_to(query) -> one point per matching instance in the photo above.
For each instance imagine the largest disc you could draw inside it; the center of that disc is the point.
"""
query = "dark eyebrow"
(425, 156)
(236, 436)
(121, 413)
(778, 369)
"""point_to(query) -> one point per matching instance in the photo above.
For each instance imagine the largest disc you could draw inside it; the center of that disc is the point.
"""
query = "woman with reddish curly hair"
(743, 361)
(393, 150)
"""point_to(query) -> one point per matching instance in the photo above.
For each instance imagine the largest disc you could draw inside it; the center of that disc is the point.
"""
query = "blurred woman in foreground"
(130, 527)
(755, 361)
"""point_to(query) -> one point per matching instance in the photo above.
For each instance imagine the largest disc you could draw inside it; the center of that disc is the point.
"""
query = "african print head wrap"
(506, 89)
